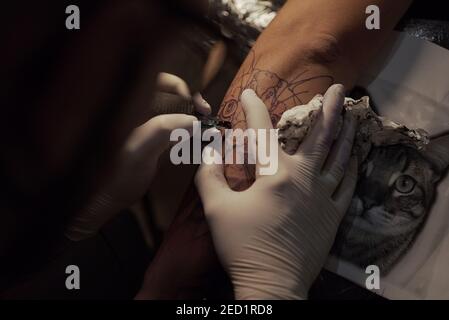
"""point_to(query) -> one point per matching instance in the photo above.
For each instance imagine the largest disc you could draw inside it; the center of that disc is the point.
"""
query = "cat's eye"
(405, 184)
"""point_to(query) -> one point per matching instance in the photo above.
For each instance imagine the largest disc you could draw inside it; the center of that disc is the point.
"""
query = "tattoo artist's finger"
(170, 83)
(201, 105)
(319, 141)
(256, 113)
(258, 118)
(211, 182)
(345, 191)
(338, 158)
(153, 137)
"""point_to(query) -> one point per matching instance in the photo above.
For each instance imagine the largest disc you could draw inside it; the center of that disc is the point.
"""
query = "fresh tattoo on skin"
(278, 95)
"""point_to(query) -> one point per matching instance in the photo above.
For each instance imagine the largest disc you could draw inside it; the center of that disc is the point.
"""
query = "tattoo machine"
(165, 103)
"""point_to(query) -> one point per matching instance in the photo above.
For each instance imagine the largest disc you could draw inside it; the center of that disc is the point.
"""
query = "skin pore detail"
(278, 93)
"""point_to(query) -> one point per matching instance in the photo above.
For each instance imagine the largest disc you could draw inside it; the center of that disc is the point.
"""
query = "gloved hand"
(136, 164)
(274, 237)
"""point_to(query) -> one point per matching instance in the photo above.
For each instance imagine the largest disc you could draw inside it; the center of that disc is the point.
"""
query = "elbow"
(321, 49)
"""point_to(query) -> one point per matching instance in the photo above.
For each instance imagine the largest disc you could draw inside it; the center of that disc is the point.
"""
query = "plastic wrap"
(243, 20)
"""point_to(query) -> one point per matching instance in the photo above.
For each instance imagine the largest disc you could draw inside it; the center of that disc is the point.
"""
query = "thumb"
(211, 182)
(154, 135)
(345, 191)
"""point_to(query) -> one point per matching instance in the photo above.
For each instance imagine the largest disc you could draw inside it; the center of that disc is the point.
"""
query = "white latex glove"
(136, 164)
(274, 237)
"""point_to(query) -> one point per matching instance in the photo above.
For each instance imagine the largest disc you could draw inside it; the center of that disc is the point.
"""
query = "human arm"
(309, 46)
(136, 164)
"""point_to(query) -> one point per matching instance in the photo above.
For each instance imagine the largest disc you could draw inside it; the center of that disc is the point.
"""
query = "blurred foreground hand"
(137, 163)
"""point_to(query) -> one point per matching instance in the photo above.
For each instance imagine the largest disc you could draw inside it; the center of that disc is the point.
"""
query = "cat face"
(395, 189)
(394, 186)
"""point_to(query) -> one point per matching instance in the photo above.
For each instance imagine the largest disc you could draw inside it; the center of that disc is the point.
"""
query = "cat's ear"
(437, 152)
